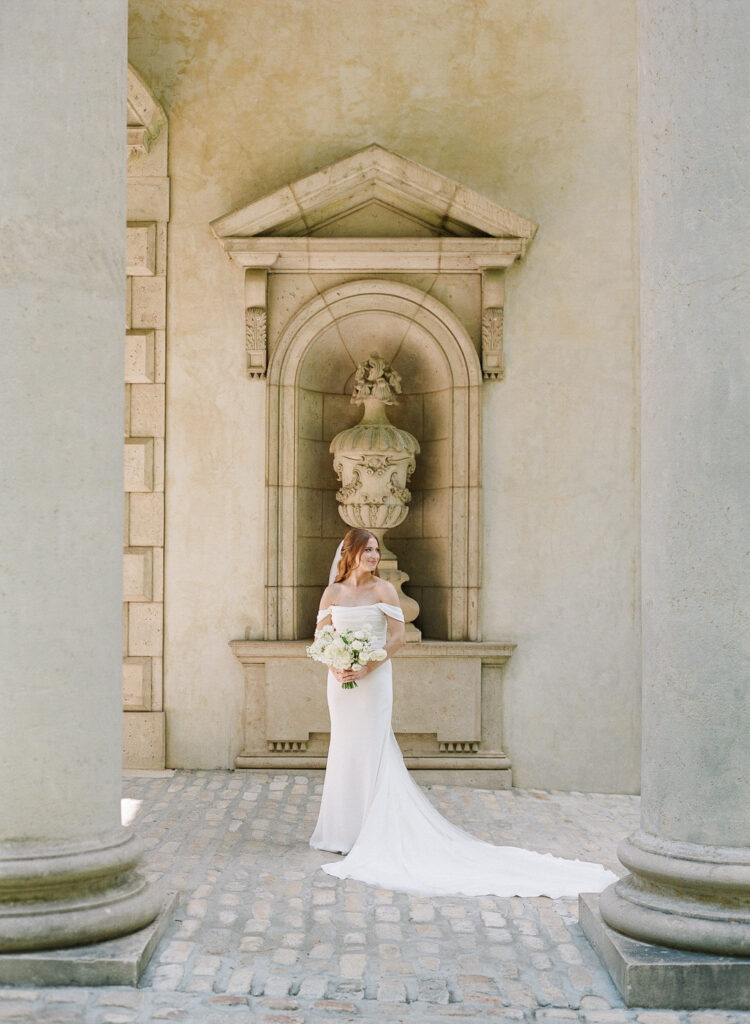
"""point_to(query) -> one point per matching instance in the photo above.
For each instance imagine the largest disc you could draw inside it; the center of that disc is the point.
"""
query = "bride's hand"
(348, 675)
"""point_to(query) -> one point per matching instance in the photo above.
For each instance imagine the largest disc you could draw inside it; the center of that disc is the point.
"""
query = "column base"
(682, 895)
(662, 978)
(55, 895)
(115, 962)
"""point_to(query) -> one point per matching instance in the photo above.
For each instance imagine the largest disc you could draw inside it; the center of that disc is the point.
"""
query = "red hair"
(354, 544)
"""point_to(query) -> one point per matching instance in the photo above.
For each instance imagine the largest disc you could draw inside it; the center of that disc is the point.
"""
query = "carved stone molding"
(492, 343)
(459, 747)
(319, 201)
(146, 118)
(493, 316)
(256, 331)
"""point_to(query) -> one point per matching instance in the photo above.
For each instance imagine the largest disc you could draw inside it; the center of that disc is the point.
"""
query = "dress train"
(393, 837)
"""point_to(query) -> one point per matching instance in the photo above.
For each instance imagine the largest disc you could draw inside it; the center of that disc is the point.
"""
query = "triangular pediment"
(374, 193)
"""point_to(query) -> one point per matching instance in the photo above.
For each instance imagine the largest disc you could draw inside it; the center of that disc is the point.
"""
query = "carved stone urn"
(374, 462)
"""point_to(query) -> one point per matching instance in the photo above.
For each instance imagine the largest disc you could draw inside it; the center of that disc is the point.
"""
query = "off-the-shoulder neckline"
(373, 604)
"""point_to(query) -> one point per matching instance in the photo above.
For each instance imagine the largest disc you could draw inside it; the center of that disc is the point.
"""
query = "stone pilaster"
(689, 886)
(68, 870)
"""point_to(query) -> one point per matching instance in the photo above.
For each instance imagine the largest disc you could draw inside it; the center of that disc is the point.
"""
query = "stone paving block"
(16, 1011)
(595, 1003)
(657, 1017)
(713, 1017)
(554, 1015)
(237, 843)
(434, 990)
(422, 912)
(605, 1016)
(391, 992)
(168, 977)
(313, 988)
(277, 985)
(350, 990)
(198, 984)
(352, 965)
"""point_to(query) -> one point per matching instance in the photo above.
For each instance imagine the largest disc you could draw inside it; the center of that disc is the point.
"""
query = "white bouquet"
(351, 649)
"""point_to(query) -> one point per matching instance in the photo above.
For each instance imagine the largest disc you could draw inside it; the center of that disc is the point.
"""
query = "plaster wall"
(532, 105)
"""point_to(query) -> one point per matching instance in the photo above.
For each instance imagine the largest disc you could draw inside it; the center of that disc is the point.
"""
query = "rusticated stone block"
(138, 574)
(157, 574)
(141, 250)
(148, 302)
(160, 357)
(140, 358)
(147, 410)
(145, 629)
(148, 198)
(157, 684)
(143, 740)
(158, 463)
(139, 464)
(126, 410)
(136, 684)
(147, 519)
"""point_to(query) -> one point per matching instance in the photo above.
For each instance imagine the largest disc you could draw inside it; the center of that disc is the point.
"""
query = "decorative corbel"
(493, 304)
(256, 323)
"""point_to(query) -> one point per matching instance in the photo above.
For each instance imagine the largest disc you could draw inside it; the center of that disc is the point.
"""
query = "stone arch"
(309, 378)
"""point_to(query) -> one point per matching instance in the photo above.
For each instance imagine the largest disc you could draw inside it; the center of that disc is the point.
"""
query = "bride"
(371, 809)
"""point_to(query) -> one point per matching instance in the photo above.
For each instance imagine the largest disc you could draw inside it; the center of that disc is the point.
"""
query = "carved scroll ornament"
(256, 342)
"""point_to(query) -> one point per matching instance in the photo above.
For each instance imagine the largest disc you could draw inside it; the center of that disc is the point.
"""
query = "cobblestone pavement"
(261, 935)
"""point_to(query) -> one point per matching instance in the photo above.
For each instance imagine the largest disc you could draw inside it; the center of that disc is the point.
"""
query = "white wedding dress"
(392, 836)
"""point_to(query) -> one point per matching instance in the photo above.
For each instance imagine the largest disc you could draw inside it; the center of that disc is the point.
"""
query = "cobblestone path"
(261, 935)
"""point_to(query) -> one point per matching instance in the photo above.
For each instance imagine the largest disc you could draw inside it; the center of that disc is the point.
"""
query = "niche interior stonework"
(376, 254)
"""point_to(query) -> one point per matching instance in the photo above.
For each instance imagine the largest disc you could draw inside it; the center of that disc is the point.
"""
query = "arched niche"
(309, 384)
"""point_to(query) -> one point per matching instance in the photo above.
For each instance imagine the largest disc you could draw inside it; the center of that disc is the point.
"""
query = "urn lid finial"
(376, 378)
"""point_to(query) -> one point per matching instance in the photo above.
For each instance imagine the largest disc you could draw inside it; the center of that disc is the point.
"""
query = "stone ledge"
(653, 976)
(491, 652)
(477, 772)
(116, 962)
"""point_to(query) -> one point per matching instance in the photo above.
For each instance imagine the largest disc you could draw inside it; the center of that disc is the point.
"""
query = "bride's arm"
(396, 636)
(396, 628)
(325, 602)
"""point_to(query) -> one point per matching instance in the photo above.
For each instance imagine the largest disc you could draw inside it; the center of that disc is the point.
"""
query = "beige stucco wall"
(532, 105)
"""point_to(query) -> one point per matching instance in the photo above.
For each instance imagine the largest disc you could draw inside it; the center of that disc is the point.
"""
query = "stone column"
(67, 867)
(690, 860)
